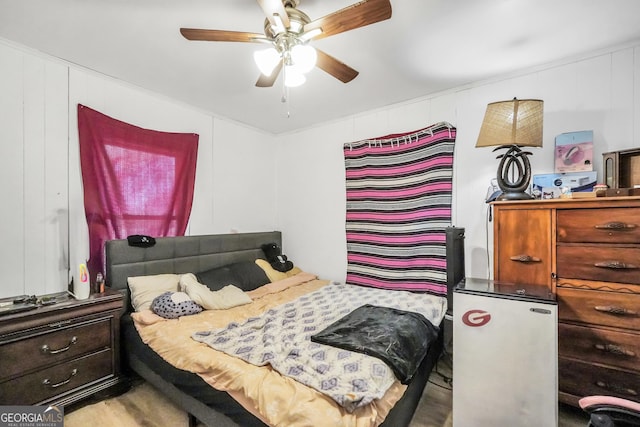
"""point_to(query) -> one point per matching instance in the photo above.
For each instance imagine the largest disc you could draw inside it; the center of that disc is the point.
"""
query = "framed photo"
(574, 152)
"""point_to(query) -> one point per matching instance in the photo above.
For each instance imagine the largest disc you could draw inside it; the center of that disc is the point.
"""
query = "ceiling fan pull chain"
(285, 95)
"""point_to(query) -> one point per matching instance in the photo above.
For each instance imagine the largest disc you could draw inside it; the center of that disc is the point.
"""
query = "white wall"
(42, 224)
(600, 93)
(248, 180)
(33, 173)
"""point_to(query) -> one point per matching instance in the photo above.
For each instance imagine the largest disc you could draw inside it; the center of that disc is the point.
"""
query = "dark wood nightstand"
(61, 353)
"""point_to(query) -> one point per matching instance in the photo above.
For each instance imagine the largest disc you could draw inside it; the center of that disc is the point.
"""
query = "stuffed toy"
(274, 255)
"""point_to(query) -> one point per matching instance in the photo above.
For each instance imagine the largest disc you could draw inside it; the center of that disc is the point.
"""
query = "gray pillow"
(246, 275)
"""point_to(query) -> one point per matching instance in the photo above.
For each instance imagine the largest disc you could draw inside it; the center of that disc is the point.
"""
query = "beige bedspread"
(275, 399)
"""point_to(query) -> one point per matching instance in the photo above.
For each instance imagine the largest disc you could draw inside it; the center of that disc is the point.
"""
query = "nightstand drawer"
(42, 385)
(599, 262)
(586, 379)
(54, 347)
(618, 310)
(614, 225)
(609, 347)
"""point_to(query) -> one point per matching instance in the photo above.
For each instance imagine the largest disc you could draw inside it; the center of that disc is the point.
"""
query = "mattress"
(187, 382)
(138, 354)
(190, 391)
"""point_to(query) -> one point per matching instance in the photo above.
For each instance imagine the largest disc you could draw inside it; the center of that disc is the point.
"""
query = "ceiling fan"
(288, 30)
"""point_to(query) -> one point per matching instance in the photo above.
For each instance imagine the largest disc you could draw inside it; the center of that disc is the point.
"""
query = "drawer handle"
(617, 389)
(612, 309)
(45, 348)
(614, 349)
(616, 265)
(47, 381)
(616, 226)
(525, 258)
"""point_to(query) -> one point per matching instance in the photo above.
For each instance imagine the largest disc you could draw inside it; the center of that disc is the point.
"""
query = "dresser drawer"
(613, 225)
(584, 379)
(53, 347)
(42, 385)
(608, 347)
(599, 262)
(528, 258)
(599, 307)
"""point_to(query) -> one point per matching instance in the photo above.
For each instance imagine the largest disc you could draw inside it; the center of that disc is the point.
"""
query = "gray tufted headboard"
(185, 254)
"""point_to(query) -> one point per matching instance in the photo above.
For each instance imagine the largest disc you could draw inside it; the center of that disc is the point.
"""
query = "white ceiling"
(427, 46)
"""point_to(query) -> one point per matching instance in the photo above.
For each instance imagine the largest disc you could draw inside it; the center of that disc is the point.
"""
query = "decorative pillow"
(273, 274)
(172, 305)
(145, 288)
(217, 278)
(245, 275)
(251, 276)
(227, 297)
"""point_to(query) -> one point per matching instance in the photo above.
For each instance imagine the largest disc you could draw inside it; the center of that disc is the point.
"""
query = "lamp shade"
(304, 58)
(266, 60)
(292, 77)
(516, 122)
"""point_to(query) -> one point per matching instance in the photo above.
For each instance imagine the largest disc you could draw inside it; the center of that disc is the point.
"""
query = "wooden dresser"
(61, 353)
(587, 252)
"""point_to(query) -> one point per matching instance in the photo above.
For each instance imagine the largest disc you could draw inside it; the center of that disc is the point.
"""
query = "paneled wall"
(248, 180)
(44, 233)
(33, 173)
(599, 93)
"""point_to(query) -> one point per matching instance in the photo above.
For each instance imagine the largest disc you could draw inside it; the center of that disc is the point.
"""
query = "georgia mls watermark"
(31, 416)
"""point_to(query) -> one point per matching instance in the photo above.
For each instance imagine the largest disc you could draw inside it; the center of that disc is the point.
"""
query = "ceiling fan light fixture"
(293, 77)
(303, 58)
(266, 60)
(295, 27)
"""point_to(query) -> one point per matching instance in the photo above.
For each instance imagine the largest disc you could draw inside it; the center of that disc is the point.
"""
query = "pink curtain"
(136, 181)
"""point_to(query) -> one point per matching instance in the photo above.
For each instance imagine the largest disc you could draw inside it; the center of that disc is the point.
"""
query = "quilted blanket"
(281, 337)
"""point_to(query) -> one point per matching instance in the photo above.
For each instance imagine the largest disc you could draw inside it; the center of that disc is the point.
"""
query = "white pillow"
(227, 297)
(145, 288)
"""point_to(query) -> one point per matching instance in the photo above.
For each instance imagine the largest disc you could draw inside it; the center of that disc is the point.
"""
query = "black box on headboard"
(455, 262)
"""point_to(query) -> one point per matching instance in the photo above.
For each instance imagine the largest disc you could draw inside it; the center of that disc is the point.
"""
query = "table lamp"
(511, 125)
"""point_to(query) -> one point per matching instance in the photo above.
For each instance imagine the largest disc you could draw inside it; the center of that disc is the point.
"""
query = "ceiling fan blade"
(273, 8)
(351, 17)
(336, 68)
(222, 35)
(268, 81)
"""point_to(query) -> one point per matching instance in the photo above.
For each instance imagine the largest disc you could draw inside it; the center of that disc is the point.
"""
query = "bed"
(191, 388)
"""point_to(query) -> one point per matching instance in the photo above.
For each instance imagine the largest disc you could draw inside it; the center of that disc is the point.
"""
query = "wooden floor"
(143, 406)
(435, 405)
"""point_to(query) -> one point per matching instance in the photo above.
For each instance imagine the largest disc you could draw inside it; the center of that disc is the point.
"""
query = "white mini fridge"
(505, 355)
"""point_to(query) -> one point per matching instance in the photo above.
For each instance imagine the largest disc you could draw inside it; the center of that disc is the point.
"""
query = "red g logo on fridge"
(476, 318)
